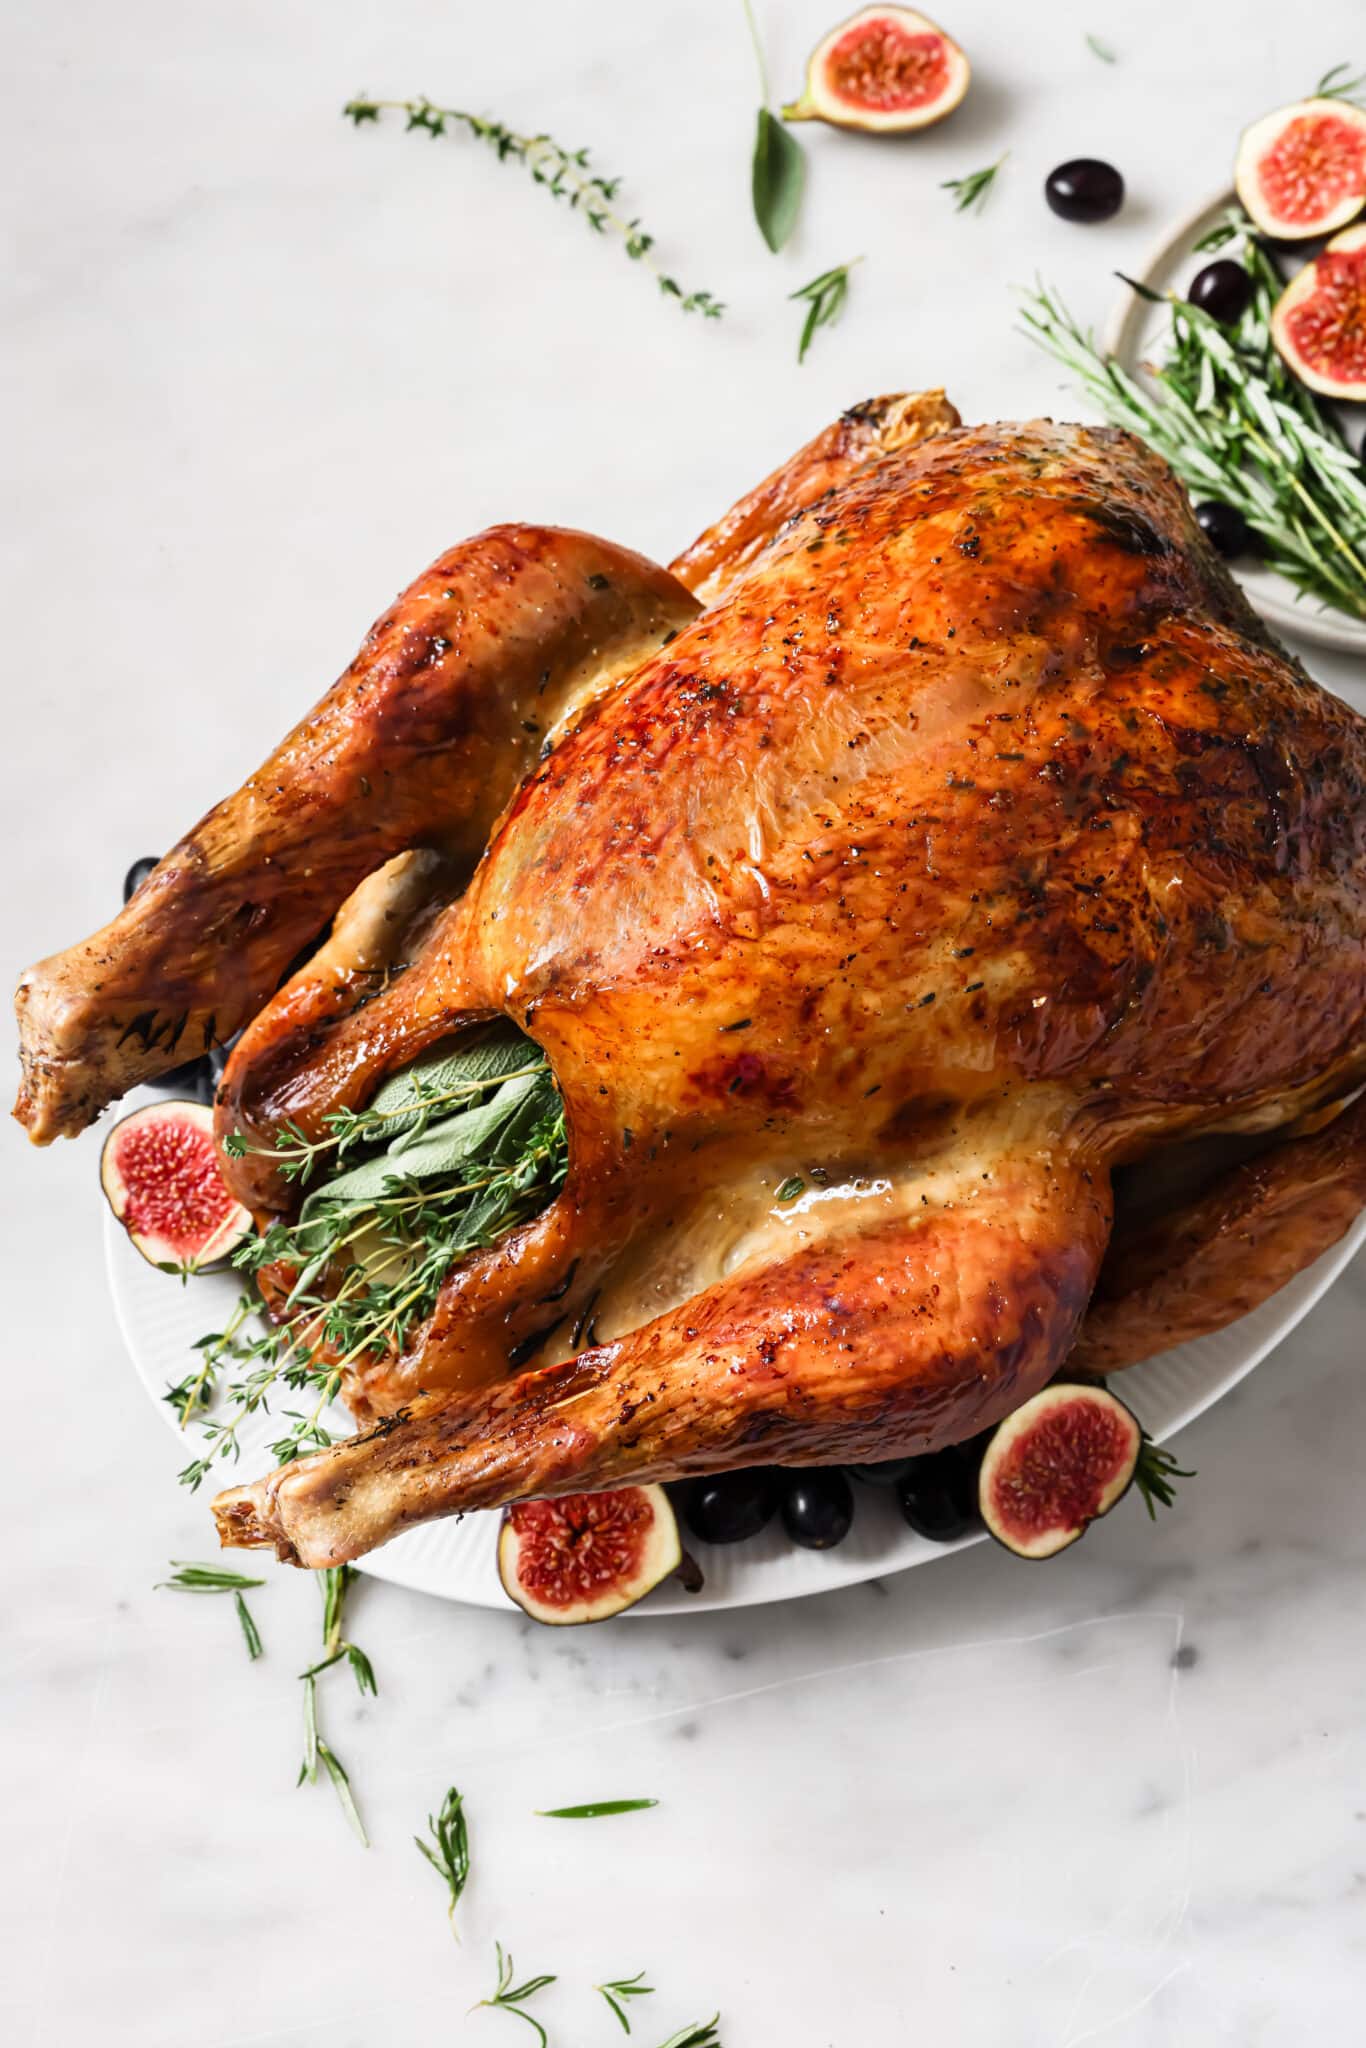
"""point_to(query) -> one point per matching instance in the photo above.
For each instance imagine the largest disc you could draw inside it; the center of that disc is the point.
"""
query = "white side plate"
(1136, 334)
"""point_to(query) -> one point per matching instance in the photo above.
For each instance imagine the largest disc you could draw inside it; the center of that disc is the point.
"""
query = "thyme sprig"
(1235, 425)
(620, 1988)
(510, 1997)
(448, 1852)
(972, 190)
(825, 297)
(1153, 1476)
(212, 1578)
(333, 1583)
(566, 174)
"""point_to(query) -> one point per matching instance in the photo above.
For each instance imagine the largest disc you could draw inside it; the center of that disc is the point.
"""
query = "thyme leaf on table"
(510, 1997)
(825, 297)
(617, 1989)
(1236, 426)
(971, 191)
(448, 1852)
(566, 174)
(212, 1578)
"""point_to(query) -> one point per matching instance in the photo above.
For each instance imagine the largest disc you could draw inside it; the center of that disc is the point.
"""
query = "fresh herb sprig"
(457, 1151)
(333, 1584)
(972, 190)
(701, 2034)
(824, 297)
(778, 171)
(616, 1990)
(1153, 1476)
(1101, 50)
(212, 1578)
(1339, 83)
(448, 1852)
(566, 174)
(1236, 426)
(510, 1997)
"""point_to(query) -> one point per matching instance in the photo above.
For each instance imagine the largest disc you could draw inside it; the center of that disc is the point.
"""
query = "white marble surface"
(263, 368)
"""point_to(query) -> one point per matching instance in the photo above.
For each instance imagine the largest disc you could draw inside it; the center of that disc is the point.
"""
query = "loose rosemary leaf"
(596, 1809)
(617, 1990)
(448, 1852)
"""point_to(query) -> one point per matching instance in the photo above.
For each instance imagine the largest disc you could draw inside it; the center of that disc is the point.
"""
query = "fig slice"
(587, 1556)
(1319, 321)
(159, 1169)
(1301, 171)
(887, 70)
(1055, 1466)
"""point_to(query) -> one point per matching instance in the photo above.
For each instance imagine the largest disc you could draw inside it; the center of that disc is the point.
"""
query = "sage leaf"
(440, 1151)
(779, 173)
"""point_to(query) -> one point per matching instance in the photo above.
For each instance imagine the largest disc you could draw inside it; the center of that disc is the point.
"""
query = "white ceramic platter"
(160, 1320)
(1136, 335)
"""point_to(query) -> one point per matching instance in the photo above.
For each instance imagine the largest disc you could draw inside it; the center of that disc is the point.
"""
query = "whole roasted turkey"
(942, 830)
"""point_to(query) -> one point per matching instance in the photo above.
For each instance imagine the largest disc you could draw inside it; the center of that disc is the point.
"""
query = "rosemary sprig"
(565, 174)
(617, 1989)
(972, 190)
(333, 1583)
(510, 1997)
(824, 296)
(701, 2034)
(1337, 83)
(212, 1578)
(1154, 1473)
(596, 1809)
(448, 1852)
(1235, 425)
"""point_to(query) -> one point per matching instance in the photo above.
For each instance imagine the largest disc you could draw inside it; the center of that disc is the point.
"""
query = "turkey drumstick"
(419, 744)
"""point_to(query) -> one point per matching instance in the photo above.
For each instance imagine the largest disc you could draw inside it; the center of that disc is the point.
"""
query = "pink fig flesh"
(159, 1169)
(587, 1556)
(1055, 1466)
(1302, 170)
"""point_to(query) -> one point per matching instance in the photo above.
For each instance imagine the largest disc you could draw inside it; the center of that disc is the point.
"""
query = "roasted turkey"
(943, 830)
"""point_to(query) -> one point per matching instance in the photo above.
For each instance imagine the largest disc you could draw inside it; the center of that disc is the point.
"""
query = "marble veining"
(268, 367)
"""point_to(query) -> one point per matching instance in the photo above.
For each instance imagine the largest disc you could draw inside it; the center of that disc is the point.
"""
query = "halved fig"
(1301, 171)
(1319, 324)
(159, 1168)
(1055, 1466)
(589, 1555)
(887, 70)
